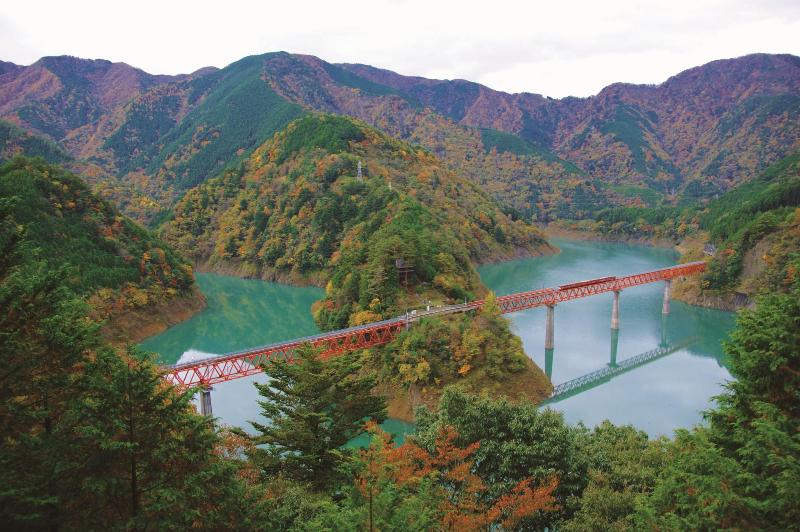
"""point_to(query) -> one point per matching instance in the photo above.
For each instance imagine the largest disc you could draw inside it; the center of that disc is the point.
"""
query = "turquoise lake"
(668, 393)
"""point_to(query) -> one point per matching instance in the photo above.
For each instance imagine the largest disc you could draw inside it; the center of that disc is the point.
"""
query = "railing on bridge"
(553, 296)
(213, 370)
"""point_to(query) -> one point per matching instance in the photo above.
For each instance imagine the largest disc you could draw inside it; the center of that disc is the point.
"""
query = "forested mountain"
(15, 141)
(722, 122)
(287, 209)
(754, 231)
(152, 137)
(75, 102)
(118, 266)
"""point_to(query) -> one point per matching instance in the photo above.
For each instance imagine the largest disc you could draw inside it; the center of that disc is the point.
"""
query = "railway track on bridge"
(213, 370)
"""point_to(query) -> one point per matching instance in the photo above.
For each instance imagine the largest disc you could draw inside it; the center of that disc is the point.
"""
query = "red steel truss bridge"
(213, 370)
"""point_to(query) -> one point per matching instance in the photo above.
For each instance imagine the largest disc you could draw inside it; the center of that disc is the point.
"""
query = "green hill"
(408, 232)
(117, 265)
(756, 232)
(297, 211)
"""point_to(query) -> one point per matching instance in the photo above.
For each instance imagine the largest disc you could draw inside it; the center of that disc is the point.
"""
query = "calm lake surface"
(659, 397)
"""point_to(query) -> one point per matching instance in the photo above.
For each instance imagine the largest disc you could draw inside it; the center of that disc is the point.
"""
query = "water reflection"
(603, 375)
(614, 346)
(548, 362)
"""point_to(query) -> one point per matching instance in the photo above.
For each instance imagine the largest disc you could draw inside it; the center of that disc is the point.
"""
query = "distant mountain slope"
(724, 121)
(16, 141)
(73, 101)
(187, 131)
(527, 178)
(152, 137)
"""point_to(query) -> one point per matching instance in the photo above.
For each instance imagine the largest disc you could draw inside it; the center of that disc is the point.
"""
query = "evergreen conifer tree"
(313, 407)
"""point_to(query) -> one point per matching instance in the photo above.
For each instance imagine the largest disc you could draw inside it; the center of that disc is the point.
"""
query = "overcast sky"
(556, 48)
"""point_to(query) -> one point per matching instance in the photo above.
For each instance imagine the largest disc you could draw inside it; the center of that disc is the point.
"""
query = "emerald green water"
(244, 313)
(659, 397)
(241, 313)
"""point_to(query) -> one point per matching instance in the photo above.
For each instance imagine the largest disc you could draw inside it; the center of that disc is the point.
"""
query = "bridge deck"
(212, 370)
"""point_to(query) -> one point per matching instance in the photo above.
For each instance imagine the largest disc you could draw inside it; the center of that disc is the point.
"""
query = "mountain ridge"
(698, 133)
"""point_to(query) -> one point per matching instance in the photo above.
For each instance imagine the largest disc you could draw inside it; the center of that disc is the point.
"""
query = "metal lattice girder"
(231, 366)
(553, 296)
(223, 368)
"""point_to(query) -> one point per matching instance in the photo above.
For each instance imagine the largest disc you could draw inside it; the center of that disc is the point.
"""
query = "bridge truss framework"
(213, 370)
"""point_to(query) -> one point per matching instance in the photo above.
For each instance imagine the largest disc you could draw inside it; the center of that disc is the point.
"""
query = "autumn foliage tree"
(445, 478)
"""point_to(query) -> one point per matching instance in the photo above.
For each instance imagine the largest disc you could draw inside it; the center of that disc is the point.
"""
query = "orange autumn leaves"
(462, 497)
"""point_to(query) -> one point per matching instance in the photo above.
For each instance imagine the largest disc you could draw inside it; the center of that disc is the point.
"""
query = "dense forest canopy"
(147, 139)
(103, 251)
(405, 234)
(298, 210)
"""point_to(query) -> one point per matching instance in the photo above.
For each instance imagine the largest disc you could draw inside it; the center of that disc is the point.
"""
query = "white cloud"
(555, 48)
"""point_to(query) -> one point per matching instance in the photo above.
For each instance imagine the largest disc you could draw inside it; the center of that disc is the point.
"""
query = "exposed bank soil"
(135, 325)
(555, 231)
(729, 302)
(248, 271)
(530, 384)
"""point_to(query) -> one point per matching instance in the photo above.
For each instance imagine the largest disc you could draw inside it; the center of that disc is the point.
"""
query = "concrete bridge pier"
(665, 305)
(615, 312)
(205, 402)
(549, 327)
(614, 344)
(548, 363)
(663, 331)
